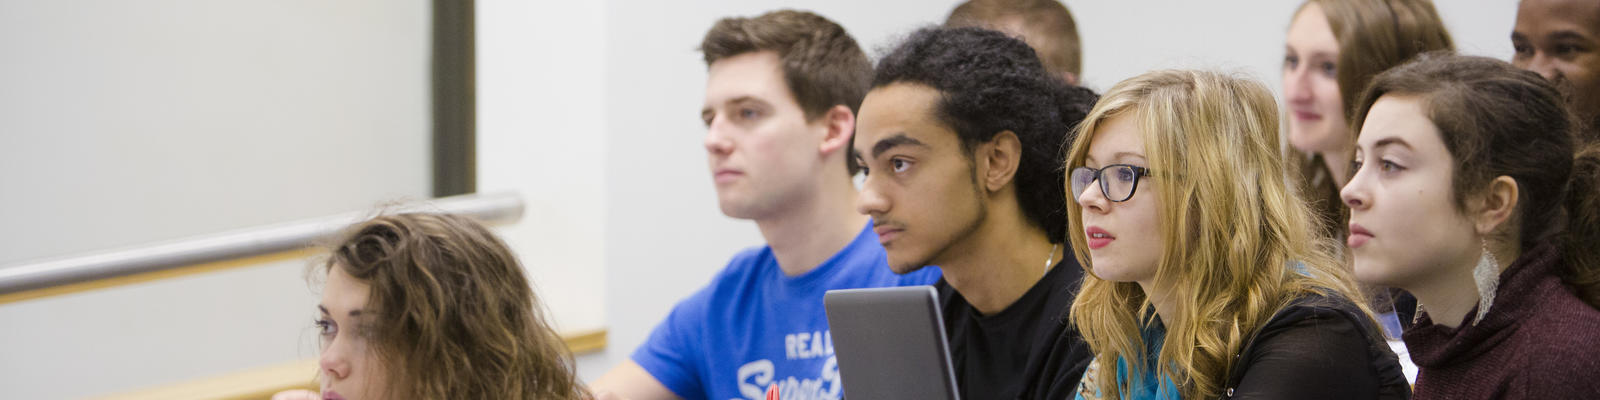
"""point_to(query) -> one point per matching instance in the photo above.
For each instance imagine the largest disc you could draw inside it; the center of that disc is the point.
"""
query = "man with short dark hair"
(1560, 39)
(963, 164)
(781, 97)
(1046, 25)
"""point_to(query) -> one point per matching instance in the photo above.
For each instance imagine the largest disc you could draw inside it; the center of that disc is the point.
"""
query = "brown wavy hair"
(454, 316)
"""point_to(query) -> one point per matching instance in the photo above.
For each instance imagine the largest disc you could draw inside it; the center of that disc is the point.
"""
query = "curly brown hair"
(454, 315)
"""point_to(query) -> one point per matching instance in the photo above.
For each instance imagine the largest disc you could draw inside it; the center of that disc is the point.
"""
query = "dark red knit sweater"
(1538, 341)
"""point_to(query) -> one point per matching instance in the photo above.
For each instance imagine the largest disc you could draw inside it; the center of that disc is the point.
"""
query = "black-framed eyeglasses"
(1124, 179)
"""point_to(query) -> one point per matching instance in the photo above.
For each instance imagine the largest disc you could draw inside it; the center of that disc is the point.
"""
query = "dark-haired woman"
(1467, 194)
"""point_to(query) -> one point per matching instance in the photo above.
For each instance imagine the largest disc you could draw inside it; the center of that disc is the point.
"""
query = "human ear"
(840, 126)
(1001, 157)
(1498, 202)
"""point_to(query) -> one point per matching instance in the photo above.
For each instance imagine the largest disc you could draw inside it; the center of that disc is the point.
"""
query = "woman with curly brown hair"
(433, 306)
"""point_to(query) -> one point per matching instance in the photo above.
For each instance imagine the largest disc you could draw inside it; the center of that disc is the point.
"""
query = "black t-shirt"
(1027, 351)
(1318, 348)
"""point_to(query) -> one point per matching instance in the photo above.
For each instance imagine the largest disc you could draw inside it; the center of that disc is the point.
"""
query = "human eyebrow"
(747, 99)
(1125, 156)
(1390, 141)
(353, 313)
(899, 139)
(1568, 35)
(1321, 55)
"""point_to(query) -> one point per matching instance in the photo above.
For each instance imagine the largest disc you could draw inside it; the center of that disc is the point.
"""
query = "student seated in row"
(433, 306)
(1472, 192)
(960, 140)
(782, 91)
(1207, 277)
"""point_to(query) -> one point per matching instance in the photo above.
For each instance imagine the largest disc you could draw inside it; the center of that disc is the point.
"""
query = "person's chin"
(906, 269)
(905, 264)
(1110, 273)
(734, 207)
(1372, 272)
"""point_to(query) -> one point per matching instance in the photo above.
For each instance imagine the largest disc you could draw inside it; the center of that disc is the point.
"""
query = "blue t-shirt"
(753, 327)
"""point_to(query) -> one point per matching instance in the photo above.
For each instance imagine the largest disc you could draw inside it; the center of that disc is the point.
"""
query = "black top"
(1028, 350)
(1318, 348)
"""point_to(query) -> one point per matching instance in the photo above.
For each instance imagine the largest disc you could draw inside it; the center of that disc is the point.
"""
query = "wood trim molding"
(261, 383)
(585, 342)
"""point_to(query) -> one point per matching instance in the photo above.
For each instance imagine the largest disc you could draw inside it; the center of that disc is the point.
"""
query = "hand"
(297, 395)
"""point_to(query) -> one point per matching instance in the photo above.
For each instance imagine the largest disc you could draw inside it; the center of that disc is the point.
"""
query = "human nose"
(1545, 66)
(335, 360)
(717, 140)
(871, 200)
(1297, 86)
(1092, 198)
(1355, 193)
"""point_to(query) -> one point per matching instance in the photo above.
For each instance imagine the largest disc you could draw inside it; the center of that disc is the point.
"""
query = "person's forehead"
(901, 108)
(1399, 117)
(1115, 139)
(1535, 16)
(343, 293)
(1310, 29)
(756, 75)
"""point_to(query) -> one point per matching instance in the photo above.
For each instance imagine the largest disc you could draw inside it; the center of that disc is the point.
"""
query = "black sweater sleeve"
(1323, 356)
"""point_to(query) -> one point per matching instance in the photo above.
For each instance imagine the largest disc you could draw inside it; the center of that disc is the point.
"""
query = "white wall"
(126, 122)
(1122, 39)
(542, 133)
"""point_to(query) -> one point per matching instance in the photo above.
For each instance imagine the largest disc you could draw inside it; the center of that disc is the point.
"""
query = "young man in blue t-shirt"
(782, 92)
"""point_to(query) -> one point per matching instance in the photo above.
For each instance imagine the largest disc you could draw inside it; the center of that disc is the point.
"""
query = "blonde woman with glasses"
(1206, 277)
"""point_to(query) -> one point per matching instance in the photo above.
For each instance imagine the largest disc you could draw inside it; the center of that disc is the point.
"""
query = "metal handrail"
(496, 208)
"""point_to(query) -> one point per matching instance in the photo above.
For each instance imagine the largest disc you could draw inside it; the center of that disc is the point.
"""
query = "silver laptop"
(890, 343)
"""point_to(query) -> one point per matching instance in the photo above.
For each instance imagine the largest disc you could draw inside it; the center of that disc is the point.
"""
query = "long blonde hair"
(1240, 244)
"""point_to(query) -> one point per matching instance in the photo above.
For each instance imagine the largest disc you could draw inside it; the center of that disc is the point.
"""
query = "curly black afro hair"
(990, 83)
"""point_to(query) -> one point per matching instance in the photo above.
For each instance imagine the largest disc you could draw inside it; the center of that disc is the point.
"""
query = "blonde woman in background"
(1205, 277)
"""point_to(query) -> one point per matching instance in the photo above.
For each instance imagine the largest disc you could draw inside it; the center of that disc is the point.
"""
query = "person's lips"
(726, 175)
(331, 395)
(1358, 236)
(1098, 238)
(1307, 115)
(887, 232)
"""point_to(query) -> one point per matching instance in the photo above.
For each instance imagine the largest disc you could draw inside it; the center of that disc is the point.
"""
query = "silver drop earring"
(1051, 259)
(1487, 276)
